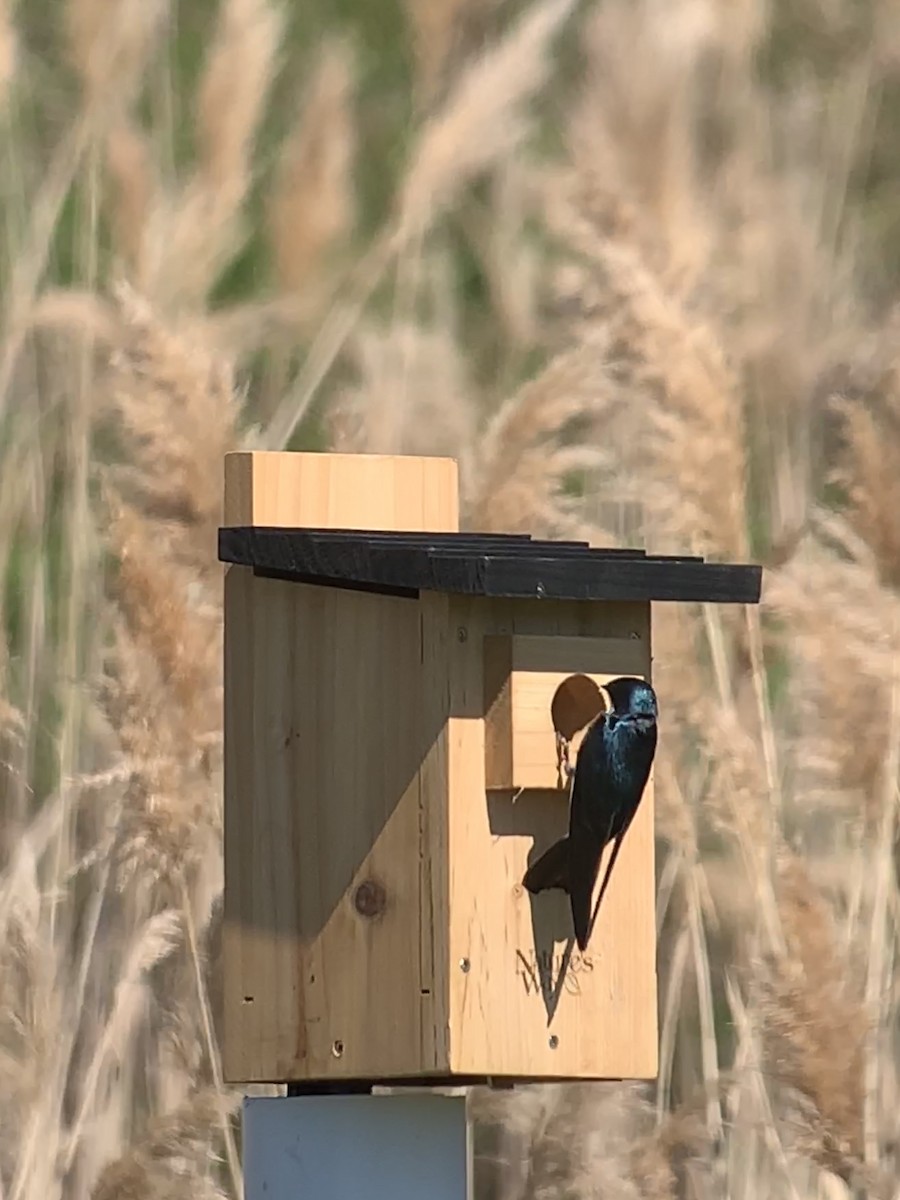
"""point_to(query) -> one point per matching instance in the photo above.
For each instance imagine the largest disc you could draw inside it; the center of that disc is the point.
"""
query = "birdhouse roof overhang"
(474, 564)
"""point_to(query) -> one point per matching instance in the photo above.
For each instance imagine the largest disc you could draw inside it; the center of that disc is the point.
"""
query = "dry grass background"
(636, 267)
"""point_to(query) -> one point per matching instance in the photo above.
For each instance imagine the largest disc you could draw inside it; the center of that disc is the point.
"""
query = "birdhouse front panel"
(524, 1001)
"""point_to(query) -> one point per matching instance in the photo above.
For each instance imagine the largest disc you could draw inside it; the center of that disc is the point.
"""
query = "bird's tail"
(551, 870)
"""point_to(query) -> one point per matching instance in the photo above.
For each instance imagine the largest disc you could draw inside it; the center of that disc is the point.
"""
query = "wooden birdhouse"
(397, 694)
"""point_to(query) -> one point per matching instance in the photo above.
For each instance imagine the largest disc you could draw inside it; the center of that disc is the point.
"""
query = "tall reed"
(637, 277)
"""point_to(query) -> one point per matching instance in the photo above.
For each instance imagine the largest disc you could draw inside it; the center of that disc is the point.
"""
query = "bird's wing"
(587, 821)
(623, 815)
(640, 759)
(590, 825)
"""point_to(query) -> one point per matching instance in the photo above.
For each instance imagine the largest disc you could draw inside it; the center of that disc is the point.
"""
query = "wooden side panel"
(438, 645)
(325, 739)
(335, 780)
(523, 678)
(342, 491)
(520, 1003)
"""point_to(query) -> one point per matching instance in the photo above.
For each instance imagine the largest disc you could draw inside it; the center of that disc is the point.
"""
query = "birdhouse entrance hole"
(576, 702)
(539, 690)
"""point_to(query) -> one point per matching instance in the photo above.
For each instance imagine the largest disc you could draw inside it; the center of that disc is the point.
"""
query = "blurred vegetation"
(634, 263)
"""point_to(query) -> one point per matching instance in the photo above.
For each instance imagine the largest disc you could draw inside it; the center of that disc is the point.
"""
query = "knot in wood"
(370, 898)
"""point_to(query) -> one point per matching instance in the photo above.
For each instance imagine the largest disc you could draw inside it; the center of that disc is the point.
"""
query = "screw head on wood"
(464, 966)
(370, 899)
(554, 1041)
(337, 1048)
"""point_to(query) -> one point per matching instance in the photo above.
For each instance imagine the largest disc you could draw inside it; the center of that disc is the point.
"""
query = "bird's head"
(633, 699)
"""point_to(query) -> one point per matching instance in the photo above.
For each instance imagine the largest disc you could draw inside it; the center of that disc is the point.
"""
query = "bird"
(610, 775)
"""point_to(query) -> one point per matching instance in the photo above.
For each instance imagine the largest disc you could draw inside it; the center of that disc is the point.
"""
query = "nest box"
(393, 694)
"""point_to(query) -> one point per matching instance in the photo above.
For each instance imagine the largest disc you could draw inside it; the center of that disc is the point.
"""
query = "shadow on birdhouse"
(398, 711)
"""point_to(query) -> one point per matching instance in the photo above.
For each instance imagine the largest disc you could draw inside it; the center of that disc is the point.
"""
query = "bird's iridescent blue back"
(614, 762)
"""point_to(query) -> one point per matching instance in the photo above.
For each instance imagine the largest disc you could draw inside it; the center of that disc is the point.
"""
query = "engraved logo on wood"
(540, 971)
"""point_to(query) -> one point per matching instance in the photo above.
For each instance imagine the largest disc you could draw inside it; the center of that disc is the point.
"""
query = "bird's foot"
(566, 770)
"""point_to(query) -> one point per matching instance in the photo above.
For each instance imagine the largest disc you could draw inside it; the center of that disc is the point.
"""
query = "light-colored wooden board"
(341, 491)
(324, 799)
(356, 754)
(325, 796)
(327, 724)
(603, 1023)
(438, 644)
(522, 676)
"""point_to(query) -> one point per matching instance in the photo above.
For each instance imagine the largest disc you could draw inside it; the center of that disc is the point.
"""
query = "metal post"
(387, 1147)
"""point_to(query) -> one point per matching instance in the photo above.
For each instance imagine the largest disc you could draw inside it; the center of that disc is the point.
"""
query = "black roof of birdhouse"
(474, 564)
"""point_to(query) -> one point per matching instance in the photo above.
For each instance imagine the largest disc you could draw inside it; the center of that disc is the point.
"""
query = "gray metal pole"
(387, 1147)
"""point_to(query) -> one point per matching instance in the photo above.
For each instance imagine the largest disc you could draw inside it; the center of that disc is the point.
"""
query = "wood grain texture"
(438, 646)
(522, 676)
(326, 736)
(333, 747)
(375, 924)
(341, 491)
(509, 1012)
